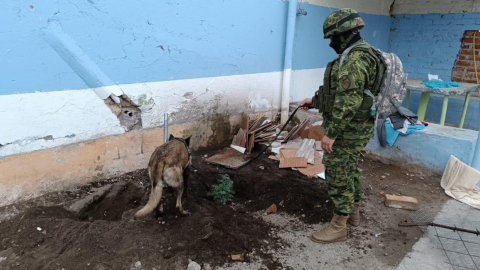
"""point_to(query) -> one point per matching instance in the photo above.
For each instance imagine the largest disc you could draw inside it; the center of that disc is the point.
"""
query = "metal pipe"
(165, 127)
(424, 224)
(476, 155)
(287, 64)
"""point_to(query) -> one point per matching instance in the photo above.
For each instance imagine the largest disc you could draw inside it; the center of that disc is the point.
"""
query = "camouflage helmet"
(340, 21)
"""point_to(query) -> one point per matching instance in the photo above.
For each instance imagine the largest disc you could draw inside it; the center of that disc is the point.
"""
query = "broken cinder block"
(401, 202)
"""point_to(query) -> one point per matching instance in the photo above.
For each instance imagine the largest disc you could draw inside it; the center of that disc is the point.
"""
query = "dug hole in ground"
(92, 227)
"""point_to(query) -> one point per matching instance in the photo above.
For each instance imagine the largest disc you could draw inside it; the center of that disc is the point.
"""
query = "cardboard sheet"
(312, 170)
(293, 162)
(315, 132)
(229, 158)
(287, 153)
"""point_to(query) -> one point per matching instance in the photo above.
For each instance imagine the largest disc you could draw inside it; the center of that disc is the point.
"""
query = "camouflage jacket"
(358, 72)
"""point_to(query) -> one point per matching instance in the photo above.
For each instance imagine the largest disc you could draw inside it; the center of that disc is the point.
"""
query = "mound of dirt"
(92, 226)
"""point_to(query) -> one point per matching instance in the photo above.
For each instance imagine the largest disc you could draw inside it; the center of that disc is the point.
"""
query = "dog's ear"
(187, 141)
(171, 137)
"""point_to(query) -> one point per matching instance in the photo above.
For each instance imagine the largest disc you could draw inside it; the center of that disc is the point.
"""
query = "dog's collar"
(184, 143)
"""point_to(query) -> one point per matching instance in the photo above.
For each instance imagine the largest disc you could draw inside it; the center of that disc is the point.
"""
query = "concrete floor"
(428, 252)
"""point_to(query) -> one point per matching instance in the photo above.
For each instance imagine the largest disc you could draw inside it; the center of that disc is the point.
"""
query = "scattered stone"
(167, 255)
(193, 266)
(383, 177)
(401, 202)
(138, 264)
(271, 209)
(44, 232)
(238, 257)
(208, 235)
(262, 168)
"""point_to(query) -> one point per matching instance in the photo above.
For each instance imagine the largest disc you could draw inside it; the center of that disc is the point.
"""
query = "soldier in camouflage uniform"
(348, 124)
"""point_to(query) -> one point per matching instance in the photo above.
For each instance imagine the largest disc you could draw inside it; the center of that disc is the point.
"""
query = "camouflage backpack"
(392, 86)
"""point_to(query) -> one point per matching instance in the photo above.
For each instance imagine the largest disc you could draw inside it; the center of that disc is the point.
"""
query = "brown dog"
(169, 165)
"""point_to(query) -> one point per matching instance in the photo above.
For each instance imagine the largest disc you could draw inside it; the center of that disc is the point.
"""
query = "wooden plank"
(243, 140)
(291, 133)
(263, 135)
(300, 129)
(251, 140)
(237, 139)
(261, 127)
(229, 158)
(244, 124)
(234, 140)
(258, 123)
(293, 162)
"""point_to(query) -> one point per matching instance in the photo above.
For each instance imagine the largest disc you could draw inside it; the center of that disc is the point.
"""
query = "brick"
(463, 63)
(468, 52)
(467, 69)
(470, 39)
(469, 33)
(402, 202)
(470, 46)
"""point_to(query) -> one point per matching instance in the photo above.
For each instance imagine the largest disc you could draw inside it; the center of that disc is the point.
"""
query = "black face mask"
(336, 42)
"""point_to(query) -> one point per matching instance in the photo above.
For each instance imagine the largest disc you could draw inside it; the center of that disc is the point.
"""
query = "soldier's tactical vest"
(326, 93)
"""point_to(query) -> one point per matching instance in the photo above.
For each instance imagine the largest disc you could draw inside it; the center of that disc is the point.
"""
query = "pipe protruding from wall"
(165, 127)
(287, 65)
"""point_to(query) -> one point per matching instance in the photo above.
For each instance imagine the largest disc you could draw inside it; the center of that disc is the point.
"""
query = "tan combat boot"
(335, 232)
(354, 219)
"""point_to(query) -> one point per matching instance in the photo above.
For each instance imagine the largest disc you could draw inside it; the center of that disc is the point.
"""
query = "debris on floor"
(213, 232)
(299, 148)
(229, 158)
(401, 202)
(259, 130)
(271, 209)
(193, 266)
(238, 257)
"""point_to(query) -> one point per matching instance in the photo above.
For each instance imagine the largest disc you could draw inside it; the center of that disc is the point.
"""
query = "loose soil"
(91, 227)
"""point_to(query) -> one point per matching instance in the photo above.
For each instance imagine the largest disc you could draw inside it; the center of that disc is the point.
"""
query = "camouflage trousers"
(343, 175)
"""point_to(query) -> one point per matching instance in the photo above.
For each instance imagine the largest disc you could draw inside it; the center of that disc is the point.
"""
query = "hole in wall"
(464, 66)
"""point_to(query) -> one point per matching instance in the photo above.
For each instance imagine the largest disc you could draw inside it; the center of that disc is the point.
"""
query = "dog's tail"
(155, 194)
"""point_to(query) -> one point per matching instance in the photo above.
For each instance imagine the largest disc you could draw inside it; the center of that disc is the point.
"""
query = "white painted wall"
(77, 115)
(305, 82)
(435, 6)
(381, 7)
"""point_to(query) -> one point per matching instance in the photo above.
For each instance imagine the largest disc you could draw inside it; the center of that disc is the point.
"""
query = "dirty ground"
(91, 227)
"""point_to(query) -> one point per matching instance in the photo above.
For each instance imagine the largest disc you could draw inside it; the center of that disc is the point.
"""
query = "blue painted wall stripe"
(312, 50)
(152, 40)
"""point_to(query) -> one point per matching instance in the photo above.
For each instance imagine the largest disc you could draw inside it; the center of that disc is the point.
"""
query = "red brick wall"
(464, 69)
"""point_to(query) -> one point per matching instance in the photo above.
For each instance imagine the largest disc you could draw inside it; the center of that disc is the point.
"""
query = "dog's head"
(187, 140)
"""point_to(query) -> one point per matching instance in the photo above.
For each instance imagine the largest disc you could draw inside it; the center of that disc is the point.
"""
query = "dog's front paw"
(185, 213)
